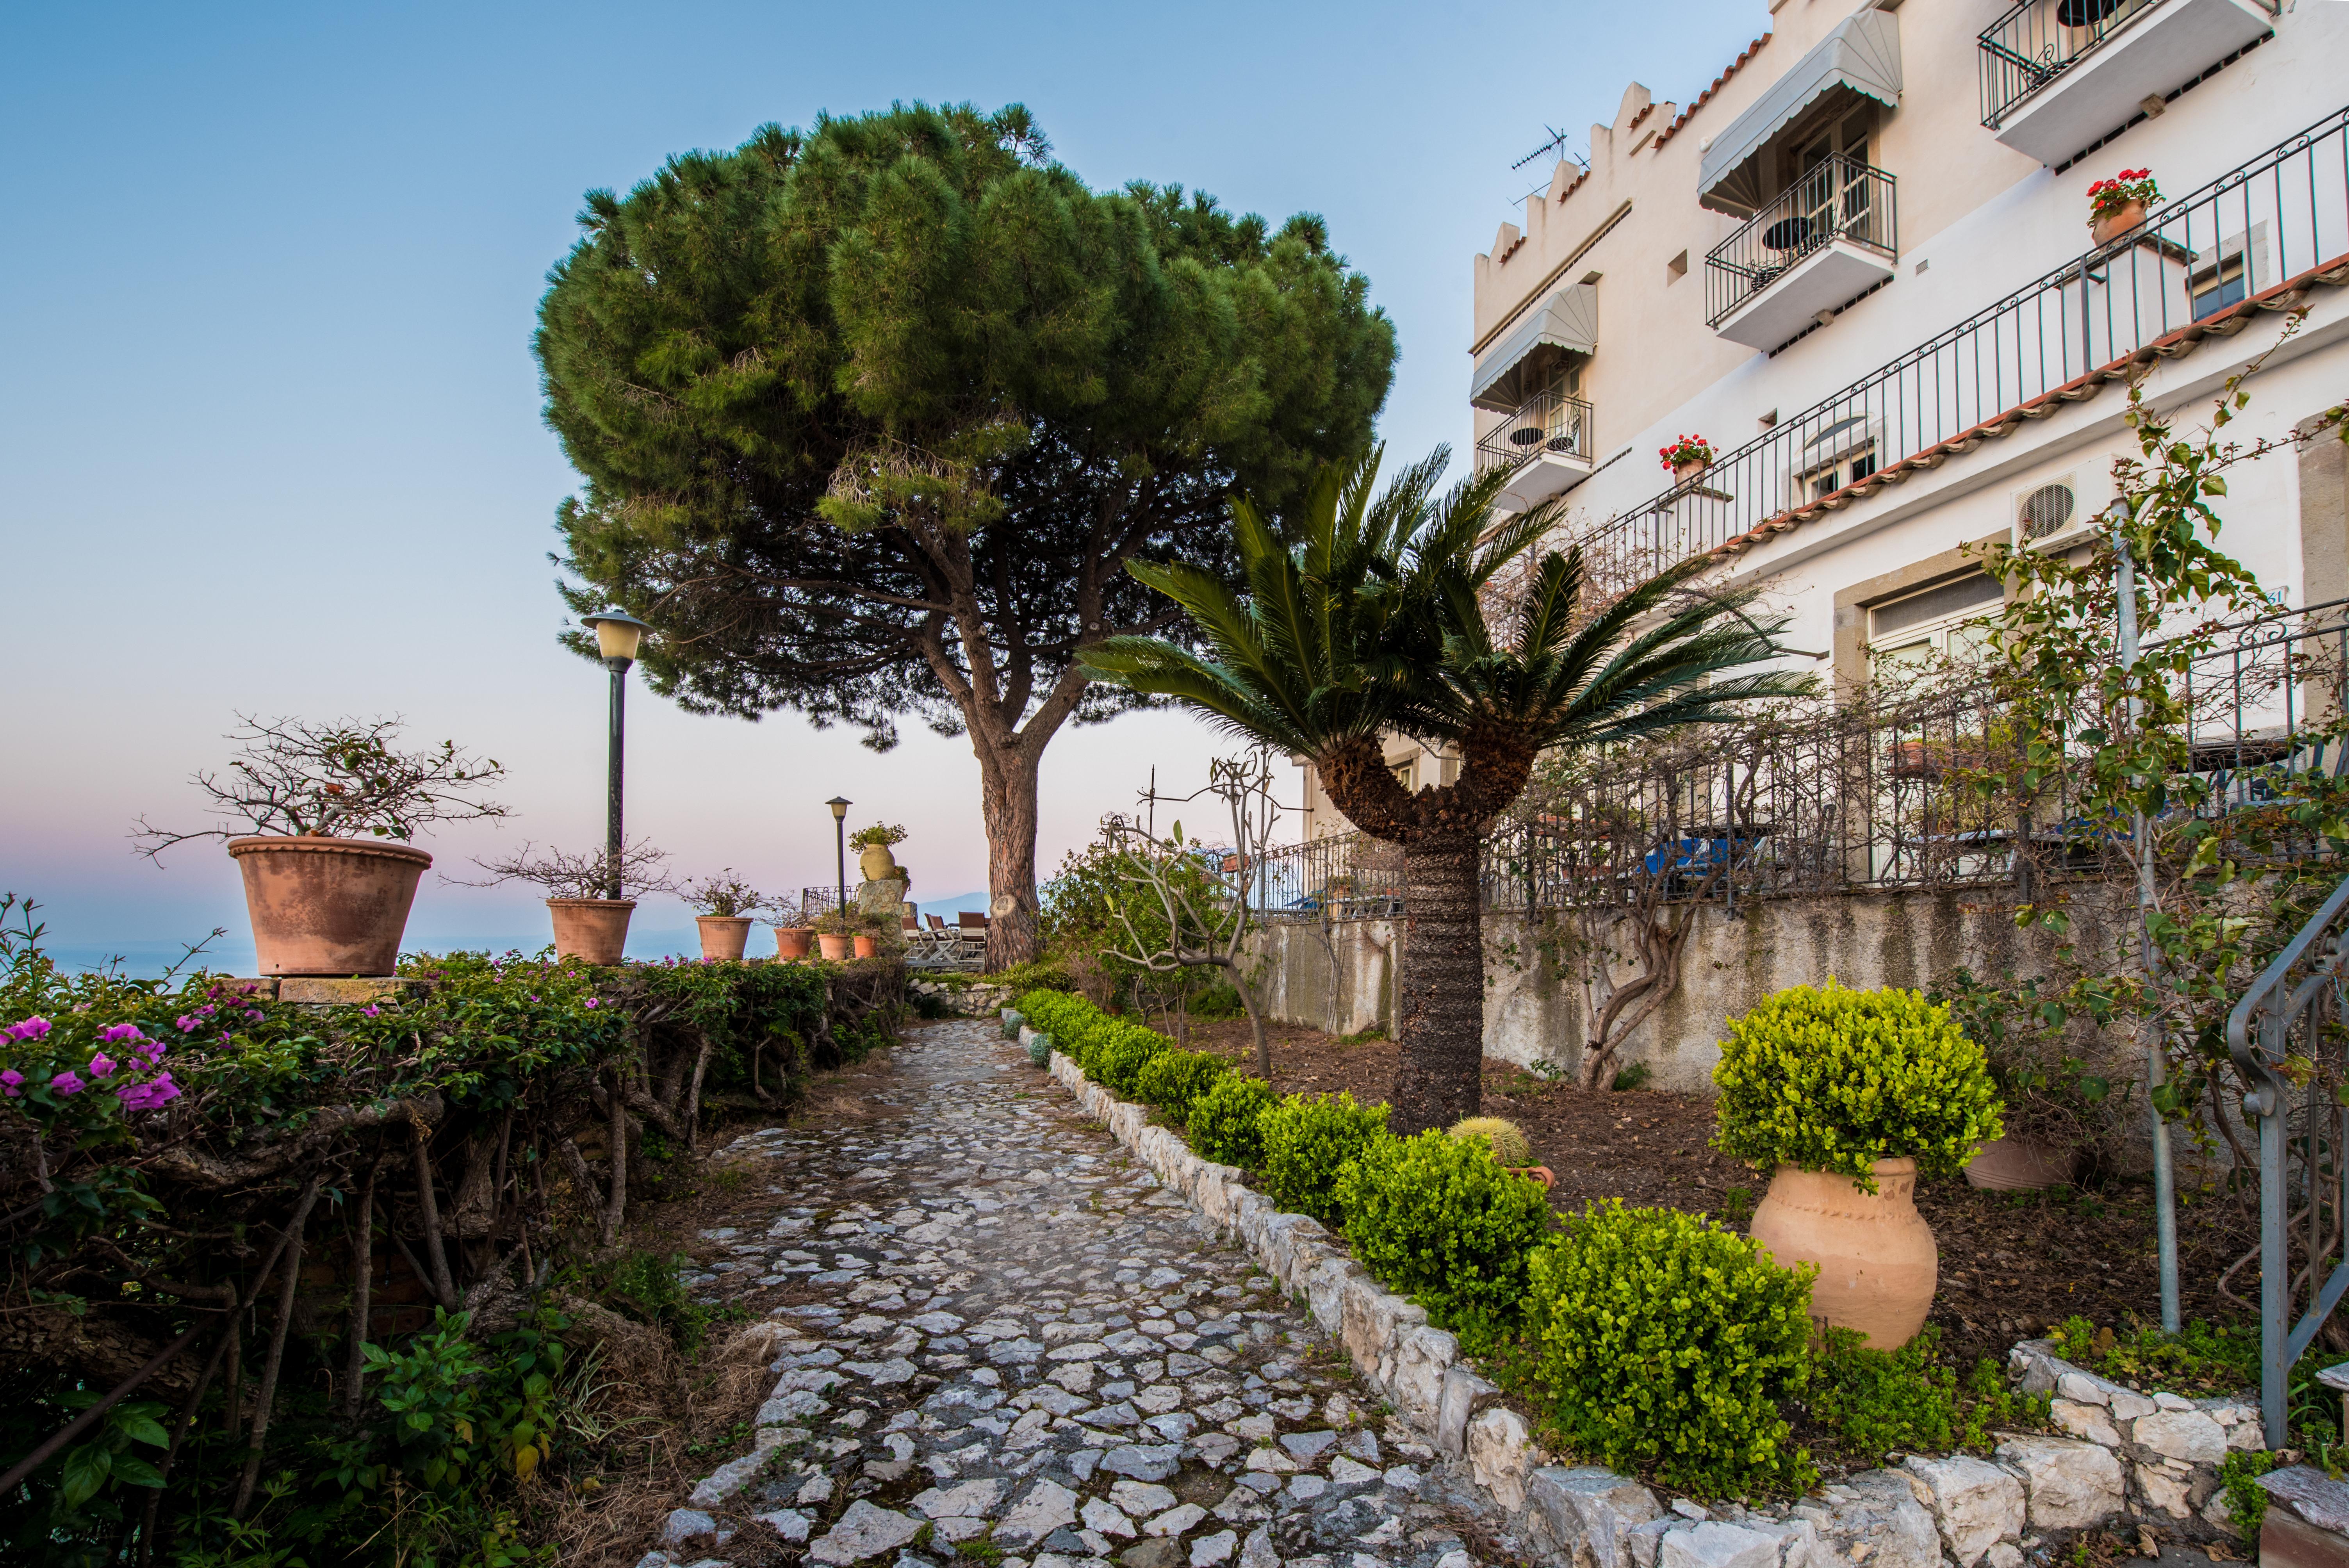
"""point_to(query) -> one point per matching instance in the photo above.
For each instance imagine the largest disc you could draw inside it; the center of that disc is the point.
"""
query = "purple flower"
(68, 1083)
(592, 1002)
(148, 1096)
(150, 1049)
(30, 1030)
(101, 1066)
(188, 1026)
(372, 1011)
(120, 1032)
(9, 1079)
(253, 1013)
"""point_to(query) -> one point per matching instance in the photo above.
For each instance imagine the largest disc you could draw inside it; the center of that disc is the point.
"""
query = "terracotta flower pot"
(593, 930)
(1683, 472)
(328, 906)
(866, 947)
(2021, 1165)
(877, 863)
(723, 935)
(836, 946)
(793, 941)
(1877, 1260)
(2112, 225)
(1541, 1173)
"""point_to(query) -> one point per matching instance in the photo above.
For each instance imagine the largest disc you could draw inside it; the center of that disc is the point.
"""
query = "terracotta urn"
(723, 936)
(2019, 1165)
(1541, 1173)
(793, 941)
(836, 946)
(877, 863)
(1877, 1260)
(1683, 472)
(592, 930)
(2112, 225)
(328, 906)
(866, 946)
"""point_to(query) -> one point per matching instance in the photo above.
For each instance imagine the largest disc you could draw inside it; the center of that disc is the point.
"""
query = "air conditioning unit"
(2045, 509)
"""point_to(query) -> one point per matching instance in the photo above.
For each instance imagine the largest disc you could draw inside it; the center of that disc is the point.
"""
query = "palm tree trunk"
(1440, 1009)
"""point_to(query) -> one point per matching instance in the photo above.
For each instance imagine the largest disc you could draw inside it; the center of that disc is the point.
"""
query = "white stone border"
(2133, 1457)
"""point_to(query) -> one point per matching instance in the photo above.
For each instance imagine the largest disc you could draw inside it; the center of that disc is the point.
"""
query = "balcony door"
(1832, 177)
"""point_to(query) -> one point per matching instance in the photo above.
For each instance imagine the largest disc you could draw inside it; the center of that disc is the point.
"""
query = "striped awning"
(1568, 319)
(1863, 55)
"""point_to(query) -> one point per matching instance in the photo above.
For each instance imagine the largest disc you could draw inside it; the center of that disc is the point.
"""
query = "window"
(1948, 620)
(2227, 274)
(1843, 453)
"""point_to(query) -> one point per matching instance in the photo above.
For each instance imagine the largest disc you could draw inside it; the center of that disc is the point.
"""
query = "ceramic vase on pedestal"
(328, 906)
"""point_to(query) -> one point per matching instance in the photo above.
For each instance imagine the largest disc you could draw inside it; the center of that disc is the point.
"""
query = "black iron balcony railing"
(2277, 221)
(2038, 41)
(1839, 198)
(1548, 421)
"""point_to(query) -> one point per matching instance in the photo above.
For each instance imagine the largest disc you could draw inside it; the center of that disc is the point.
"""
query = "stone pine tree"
(871, 417)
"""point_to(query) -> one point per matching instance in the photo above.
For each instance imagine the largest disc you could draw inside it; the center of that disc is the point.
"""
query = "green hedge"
(1112, 1052)
(1227, 1121)
(1308, 1141)
(1173, 1081)
(1665, 1345)
(1436, 1218)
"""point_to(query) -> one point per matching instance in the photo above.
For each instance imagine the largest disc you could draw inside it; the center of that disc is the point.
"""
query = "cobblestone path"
(1009, 1345)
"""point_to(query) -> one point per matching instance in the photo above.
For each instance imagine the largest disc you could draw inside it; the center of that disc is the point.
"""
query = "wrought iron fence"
(1880, 793)
(1548, 421)
(2279, 219)
(1837, 199)
(2038, 41)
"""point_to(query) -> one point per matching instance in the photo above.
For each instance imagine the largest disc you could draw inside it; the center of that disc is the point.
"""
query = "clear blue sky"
(269, 423)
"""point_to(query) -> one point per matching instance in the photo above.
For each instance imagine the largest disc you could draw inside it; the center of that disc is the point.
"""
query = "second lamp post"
(617, 636)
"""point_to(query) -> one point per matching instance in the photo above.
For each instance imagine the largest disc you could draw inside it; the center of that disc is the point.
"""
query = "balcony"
(1822, 242)
(2058, 75)
(1545, 446)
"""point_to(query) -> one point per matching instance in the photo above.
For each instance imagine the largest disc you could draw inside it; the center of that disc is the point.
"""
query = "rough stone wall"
(1341, 979)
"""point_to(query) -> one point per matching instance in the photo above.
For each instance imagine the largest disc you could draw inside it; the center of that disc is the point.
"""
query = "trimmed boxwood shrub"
(1436, 1218)
(1308, 1141)
(1835, 1079)
(1112, 1052)
(1665, 1344)
(1173, 1081)
(1227, 1121)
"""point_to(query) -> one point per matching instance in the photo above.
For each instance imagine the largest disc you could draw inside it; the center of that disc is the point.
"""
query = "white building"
(1860, 265)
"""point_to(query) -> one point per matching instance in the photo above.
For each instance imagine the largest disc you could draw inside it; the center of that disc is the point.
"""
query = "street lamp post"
(840, 832)
(618, 635)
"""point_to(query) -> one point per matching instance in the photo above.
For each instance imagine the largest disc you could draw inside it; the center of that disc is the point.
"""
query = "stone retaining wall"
(2132, 1459)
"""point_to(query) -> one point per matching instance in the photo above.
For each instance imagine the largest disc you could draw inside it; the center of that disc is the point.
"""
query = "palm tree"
(1362, 616)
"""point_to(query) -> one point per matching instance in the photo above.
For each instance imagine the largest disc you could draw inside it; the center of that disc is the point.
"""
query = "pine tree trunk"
(1007, 806)
(1439, 1008)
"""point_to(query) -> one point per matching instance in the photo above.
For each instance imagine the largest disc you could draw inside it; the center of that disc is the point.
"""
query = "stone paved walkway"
(1013, 1347)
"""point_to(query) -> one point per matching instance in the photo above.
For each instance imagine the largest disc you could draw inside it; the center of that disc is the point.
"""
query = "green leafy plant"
(1665, 1345)
(724, 895)
(1630, 1076)
(1436, 1218)
(646, 1287)
(1227, 1122)
(2201, 1357)
(1306, 1141)
(1737, 1204)
(1880, 1402)
(2247, 1500)
(1834, 1080)
(880, 833)
(1173, 1081)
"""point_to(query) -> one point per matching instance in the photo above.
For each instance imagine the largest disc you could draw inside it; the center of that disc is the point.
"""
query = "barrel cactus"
(1509, 1144)
(1039, 1049)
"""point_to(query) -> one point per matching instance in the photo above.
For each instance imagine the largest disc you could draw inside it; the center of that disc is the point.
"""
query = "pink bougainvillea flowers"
(30, 1030)
(101, 1066)
(9, 1080)
(158, 1090)
(68, 1083)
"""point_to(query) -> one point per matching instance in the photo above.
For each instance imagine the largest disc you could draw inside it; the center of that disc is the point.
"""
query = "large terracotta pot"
(1877, 1261)
(2112, 225)
(723, 935)
(793, 941)
(836, 946)
(1685, 473)
(328, 906)
(2021, 1165)
(877, 863)
(866, 947)
(593, 930)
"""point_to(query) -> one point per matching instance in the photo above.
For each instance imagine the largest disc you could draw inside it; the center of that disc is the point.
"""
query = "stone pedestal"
(884, 900)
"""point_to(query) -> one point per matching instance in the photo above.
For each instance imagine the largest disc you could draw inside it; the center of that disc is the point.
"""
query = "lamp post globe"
(619, 634)
(840, 834)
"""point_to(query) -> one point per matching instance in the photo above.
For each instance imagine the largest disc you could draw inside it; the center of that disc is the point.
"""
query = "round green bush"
(1306, 1141)
(1173, 1081)
(1120, 1052)
(1437, 1219)
(1835, 1079)
(1227, 1121)
(1665, 1344)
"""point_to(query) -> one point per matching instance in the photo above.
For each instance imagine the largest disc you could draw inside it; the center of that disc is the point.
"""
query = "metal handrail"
(2277, 218)
(2039, 40)
(2268, 1096)
(1548, 421)
(1837, 199)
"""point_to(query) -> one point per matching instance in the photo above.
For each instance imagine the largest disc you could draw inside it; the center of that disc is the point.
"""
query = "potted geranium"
(321, 819)
(723, 905)
(1687, 457)
(2117, 205)
(590, 924)
(1849, 1097)
(872, 845)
